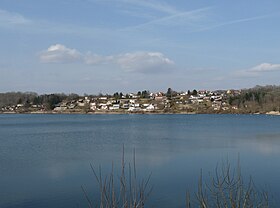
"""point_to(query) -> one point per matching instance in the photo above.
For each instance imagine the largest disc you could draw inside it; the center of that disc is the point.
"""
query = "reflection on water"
(44, 159)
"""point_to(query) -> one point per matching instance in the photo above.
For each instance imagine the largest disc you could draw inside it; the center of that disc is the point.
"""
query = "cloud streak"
(196, 19)
(187, 17)
(155, 5)
(162, 13)
(147, 4)
(234, 22)
(193, 21)
(265, 67)
(10, 18)
(22, 24)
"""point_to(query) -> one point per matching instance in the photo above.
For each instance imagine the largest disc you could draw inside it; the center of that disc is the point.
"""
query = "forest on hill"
(259, 99)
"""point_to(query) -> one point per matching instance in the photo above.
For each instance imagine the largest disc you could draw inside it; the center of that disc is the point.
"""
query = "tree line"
(258, 99)
(30, 98)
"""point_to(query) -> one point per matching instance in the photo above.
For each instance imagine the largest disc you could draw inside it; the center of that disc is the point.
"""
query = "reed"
(122, 191)
(227, 189)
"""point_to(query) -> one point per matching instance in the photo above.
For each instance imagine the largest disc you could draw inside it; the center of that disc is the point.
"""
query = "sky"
(107, 46)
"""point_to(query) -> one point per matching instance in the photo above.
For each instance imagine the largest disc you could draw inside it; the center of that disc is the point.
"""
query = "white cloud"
(265, 67)
(134, 62)
(144, 62)
(256, 71)
(9, 18)
(59, 53)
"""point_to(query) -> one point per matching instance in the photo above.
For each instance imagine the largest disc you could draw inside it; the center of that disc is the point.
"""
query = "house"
(145, 105)
(159, 98)
(81, 104)
(93, 106)
(216, 98)
(60, 108)
(103, 106)
(132, 101)
(134, 96)
(125, 106)
(72, 106)
(151, 107)
(87, 100)
(103, 98)
(234, 107)
(115, 107)
(134, 109)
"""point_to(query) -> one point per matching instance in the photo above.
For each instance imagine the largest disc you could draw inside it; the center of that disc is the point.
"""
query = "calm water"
(44, 159)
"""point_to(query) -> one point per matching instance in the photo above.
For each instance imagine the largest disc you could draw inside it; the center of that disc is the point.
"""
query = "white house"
(115, 107)
(134, 109)
(92, 106)
(103, 106)
(151, 107)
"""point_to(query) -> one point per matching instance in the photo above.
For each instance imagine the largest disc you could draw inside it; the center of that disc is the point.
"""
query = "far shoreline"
(271, 113)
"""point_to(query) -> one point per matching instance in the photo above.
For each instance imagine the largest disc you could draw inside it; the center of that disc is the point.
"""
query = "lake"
(44, 159)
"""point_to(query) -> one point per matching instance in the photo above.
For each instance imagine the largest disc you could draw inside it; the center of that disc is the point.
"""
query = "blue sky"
(92, 46)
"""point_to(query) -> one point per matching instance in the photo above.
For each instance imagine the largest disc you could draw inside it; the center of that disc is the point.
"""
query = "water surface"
(44, 159)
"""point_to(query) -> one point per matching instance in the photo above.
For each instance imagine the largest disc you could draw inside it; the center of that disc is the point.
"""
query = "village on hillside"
(141, 102)
(257, 100)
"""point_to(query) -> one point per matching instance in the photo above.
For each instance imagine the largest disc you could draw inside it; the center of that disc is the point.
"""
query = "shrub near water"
(125, 192)
(225, 189)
